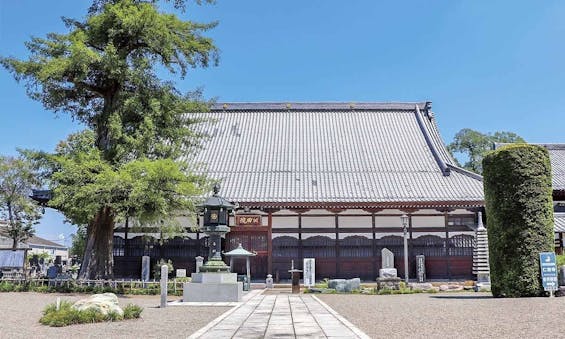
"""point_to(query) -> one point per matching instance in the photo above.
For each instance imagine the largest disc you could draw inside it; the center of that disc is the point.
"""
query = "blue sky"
(497, 65)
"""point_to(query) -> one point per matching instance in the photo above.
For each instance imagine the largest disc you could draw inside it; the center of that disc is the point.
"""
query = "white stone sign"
(181, 273)
(309, 269)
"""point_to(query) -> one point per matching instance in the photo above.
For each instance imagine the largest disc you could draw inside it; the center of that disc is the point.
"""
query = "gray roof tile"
(559, 219)
(330, 153)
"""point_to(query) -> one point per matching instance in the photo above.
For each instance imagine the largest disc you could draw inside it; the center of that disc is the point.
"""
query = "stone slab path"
(280, 316)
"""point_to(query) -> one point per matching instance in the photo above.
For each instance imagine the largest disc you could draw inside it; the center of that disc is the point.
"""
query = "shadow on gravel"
(462, 297)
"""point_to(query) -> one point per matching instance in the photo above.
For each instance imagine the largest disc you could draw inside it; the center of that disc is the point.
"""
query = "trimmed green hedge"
(517, 183)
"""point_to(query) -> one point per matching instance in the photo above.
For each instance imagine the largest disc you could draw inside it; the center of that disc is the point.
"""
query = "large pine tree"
(103, 73)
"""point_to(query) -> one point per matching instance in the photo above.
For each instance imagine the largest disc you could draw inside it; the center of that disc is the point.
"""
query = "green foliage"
(518, 197)
(103, 72)
(475, 145)
(78, 242)
(560, 260)
(17, 178)
(157, 268)
(66, 315)
(132, 311)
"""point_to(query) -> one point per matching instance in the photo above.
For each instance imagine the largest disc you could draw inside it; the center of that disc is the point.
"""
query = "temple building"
(329, 181)
(557, 157)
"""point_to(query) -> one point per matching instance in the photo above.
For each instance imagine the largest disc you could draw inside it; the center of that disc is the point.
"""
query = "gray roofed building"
(557, 156)
(559, 219)
(338, 154)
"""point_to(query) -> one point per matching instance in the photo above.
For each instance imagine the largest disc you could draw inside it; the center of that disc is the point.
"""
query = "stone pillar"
(199, 263)
(145, 268)
(164, 280)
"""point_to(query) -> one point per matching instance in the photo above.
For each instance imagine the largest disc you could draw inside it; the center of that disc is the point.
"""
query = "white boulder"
(105, 303)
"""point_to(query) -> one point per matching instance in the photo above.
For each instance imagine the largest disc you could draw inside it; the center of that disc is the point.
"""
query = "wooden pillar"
(300, 248)
(270, 243)
(411, 257)
(126, 241)
(447, 260)
(374, 243)
(337, 254)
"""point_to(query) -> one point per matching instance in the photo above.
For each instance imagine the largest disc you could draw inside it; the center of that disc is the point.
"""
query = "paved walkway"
(280, 316)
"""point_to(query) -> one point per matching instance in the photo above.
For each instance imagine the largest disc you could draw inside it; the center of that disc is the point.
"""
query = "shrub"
(132, 311)
(66, 315)
(517, 183)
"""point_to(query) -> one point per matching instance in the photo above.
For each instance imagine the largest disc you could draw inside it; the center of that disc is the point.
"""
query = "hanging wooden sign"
(248, 220)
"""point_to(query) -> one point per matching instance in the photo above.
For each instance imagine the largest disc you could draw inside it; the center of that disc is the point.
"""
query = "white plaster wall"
(387, 222)
(421, 221)
(276, 235)
(360, 221)
(310, 235)
(451, 234)
(345, 235)
(317, 222)
(382, 235)
(285, 222)
(419, 234)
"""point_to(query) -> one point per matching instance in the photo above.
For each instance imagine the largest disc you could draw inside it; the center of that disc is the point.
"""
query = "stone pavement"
(280, 316)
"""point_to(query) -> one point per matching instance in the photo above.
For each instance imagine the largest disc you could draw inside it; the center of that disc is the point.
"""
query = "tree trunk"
(98, 260)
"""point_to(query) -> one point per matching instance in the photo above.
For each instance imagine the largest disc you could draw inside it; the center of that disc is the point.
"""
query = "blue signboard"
(548, 271)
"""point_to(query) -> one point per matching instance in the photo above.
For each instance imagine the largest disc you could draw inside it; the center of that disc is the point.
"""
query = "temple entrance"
(253, 241)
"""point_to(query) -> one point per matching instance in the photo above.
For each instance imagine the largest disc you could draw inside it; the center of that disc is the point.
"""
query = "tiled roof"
(559, 219)
(34, 241)
(557, 156)
(351, 153)
(37, 241)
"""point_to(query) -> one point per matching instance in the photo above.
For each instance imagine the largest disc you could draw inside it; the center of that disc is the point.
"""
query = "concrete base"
(214, 278)
(213, 287)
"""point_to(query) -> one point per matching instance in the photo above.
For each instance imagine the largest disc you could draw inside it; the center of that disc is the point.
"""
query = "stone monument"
(214, 282)
(388, 277)
(145, 268)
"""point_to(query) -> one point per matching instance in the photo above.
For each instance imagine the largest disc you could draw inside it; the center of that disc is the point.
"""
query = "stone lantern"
(214, 282)
(216, 212)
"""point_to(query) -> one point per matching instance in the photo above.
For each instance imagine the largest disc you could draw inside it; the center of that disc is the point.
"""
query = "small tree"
(17, 209)
(517, 183)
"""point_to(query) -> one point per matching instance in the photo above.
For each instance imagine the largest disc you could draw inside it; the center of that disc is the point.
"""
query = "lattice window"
(429, 245)
(285, 247)
(318, 247)
(119, 247)
(394, 243)
(356, 247)
(461, 245)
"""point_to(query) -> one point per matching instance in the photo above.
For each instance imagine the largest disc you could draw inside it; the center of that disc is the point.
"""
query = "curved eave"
(366, 205)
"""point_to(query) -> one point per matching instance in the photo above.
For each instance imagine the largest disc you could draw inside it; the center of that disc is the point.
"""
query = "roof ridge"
(466, 172)
(442, 164)
(319, 105)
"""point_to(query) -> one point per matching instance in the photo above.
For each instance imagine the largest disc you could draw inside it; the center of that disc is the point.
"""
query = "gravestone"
(145, 268)
(164, 278)
(199, 263)
(421, 268)
(387, 258)
(387, 264)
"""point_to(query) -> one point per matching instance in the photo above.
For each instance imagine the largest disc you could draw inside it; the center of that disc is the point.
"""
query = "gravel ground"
(452, 315)
(20, 313)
